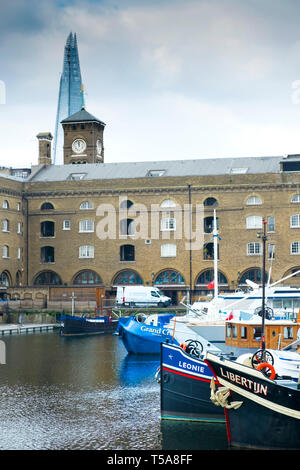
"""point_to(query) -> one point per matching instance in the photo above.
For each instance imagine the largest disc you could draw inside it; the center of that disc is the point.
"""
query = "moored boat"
(260, 413)
(143, 334)
(73, 325)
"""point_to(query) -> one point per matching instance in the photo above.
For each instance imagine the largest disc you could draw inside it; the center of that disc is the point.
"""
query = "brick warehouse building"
(54, 219)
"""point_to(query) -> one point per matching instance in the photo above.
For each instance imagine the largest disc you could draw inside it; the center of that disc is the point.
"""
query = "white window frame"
(5, 225)
(65, 223)
(19, 252)
(18, 206)
(19, 228)
(168, 203)
(5, 251)
(253, 201)
(168, 250)
(86, 226)
(295, 199)
(254, 249)
(168, 224)
(254, 222)
(86, 251)
(297, 246)
(86, 205)
(5, 204)
(295, 221)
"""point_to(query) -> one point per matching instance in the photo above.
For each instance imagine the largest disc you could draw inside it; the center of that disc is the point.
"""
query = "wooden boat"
(260, 413)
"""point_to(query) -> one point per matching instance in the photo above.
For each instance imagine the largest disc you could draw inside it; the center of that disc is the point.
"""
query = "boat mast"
(215, 239)
(264, 238)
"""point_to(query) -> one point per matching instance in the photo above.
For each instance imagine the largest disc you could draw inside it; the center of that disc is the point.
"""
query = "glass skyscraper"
(71, 97)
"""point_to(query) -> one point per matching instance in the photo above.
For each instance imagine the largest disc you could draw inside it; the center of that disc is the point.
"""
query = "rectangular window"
(271, 224)
(19, 253)
(19, 229)
(86, 251)
(86, 226)
(271, 251)
(66, 225)
(243, 332)
(254, 221)
(168, 250)
(295, 248)
(288, 332)
(295, 221)
(253, 248)
(168, 224)
(228, 330)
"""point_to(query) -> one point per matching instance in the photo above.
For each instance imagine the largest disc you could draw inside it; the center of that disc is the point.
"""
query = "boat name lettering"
(157, 331)
(246, 383)
(193, 367)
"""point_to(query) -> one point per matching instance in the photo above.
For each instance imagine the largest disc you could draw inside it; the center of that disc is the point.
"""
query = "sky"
(171, 79)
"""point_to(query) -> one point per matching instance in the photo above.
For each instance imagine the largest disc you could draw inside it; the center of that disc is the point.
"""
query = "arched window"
(127, 253)
(5, 225)
(87, 277)
(47, 228)
(128, 277)
(47, 278)
(5, 251)
(210, 201)
(46, 206)
(253, 201)
(126, 204)
(86, 205)
(170, 276)
(5, 205)
(4, 279)
(254, 221)
(253, 274)
(168, 203)
(295, 198)
(208, 276)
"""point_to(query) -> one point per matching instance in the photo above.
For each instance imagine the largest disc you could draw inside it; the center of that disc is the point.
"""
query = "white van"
(141, 296)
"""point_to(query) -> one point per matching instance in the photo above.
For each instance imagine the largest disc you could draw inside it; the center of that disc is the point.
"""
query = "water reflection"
(83, 393)
(137, 369)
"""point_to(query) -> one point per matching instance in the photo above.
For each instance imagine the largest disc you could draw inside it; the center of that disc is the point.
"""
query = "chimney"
(44, 139)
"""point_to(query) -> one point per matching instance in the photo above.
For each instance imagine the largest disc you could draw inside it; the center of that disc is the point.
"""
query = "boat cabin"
(278, 334)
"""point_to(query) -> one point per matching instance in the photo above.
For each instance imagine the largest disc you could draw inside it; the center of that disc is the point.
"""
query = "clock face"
(99, 146)
(78, 146)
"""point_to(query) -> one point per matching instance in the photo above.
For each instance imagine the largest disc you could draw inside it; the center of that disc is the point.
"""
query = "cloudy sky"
(171, 79)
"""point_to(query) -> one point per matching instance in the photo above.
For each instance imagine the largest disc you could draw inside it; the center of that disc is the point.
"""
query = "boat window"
(228, 330)
(288, 332)
(287, 303)
(234, 331)
(277, 303)
(257, 333)
(244, 332)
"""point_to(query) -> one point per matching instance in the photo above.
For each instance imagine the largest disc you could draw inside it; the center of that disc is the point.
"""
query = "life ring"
(266, 365)
(183, 346)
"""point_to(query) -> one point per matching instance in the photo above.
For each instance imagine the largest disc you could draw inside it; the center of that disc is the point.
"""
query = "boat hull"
(78, 326)
(269, 414)
(185, 387)
(141, 338)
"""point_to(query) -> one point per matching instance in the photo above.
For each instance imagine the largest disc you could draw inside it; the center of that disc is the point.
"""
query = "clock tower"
(83, 138)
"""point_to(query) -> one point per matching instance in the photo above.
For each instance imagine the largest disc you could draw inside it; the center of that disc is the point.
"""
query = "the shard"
(71, 97)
